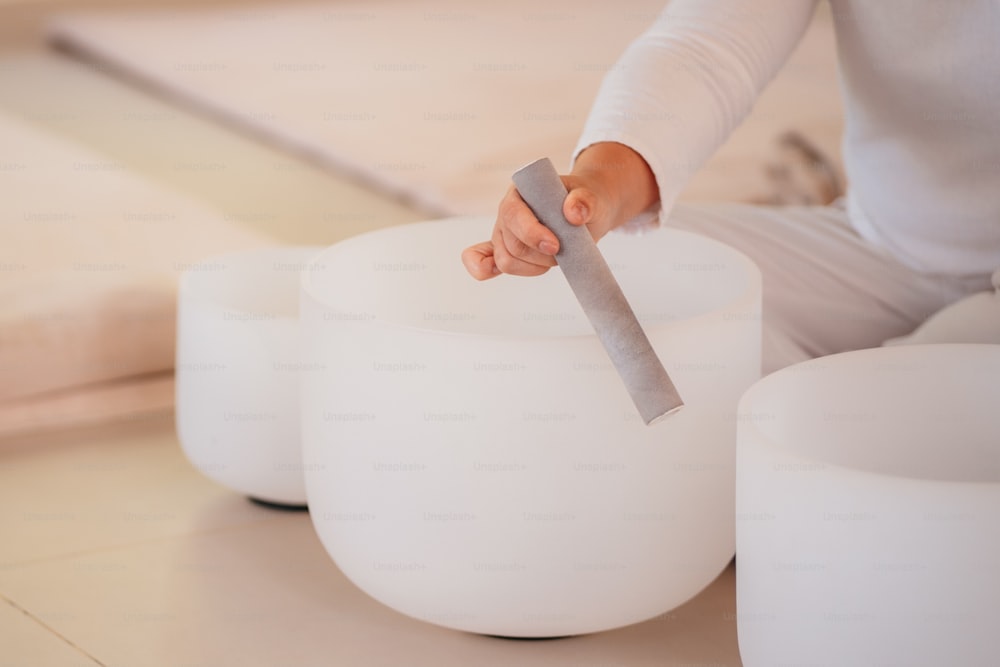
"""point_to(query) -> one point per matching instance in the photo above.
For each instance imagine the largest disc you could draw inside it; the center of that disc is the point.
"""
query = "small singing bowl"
(237, 371)
(472, 457)
(868, 510)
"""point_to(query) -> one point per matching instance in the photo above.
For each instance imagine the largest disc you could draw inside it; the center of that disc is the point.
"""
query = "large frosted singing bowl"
(868, 510)
(238, 370)
(472, 458)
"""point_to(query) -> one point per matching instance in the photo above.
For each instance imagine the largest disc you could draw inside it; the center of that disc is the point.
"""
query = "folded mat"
(434, 101)
(89, 260)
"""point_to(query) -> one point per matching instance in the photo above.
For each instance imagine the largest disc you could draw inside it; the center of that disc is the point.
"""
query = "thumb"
(580, 206)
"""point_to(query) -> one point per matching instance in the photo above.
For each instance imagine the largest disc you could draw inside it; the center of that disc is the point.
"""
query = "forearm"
(685, 84)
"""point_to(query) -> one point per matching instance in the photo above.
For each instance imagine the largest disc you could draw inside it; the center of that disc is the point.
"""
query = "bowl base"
(281, 507)
(529, 639)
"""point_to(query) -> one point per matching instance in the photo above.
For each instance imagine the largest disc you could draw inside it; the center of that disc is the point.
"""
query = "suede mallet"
(600, 295)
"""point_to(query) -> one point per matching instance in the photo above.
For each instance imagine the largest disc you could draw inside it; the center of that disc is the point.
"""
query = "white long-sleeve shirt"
(921, 88)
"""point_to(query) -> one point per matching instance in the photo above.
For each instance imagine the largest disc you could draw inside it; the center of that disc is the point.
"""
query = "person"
(919, 227)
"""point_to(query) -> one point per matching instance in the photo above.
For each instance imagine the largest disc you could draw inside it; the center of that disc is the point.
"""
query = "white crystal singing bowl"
(238, 369)
(473, 460)
(868, 510)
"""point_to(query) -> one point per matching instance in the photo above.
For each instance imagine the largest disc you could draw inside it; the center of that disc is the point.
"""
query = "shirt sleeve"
(685, 84)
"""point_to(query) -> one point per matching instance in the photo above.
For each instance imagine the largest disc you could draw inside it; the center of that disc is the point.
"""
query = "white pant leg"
(826, 289)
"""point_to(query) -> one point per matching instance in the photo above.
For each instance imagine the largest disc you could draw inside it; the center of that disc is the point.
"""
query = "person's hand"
(610, 184)
(522, 246)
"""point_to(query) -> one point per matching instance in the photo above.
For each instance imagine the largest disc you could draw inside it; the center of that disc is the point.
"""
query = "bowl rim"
(764, 441)
(187, 291)
(753, 289)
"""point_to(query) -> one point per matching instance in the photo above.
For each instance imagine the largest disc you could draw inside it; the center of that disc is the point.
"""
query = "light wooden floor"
(116, 551)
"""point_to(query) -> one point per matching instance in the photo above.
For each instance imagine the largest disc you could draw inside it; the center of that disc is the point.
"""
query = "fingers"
(478, 261)
(514, 257)
(521, 245)
(516, 219)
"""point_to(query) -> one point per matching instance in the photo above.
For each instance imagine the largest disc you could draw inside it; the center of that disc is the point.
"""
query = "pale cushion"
(89, 261)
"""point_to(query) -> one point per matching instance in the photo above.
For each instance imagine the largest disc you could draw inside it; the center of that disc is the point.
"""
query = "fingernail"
(581, 210)
(496, 271)
(548, 247)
